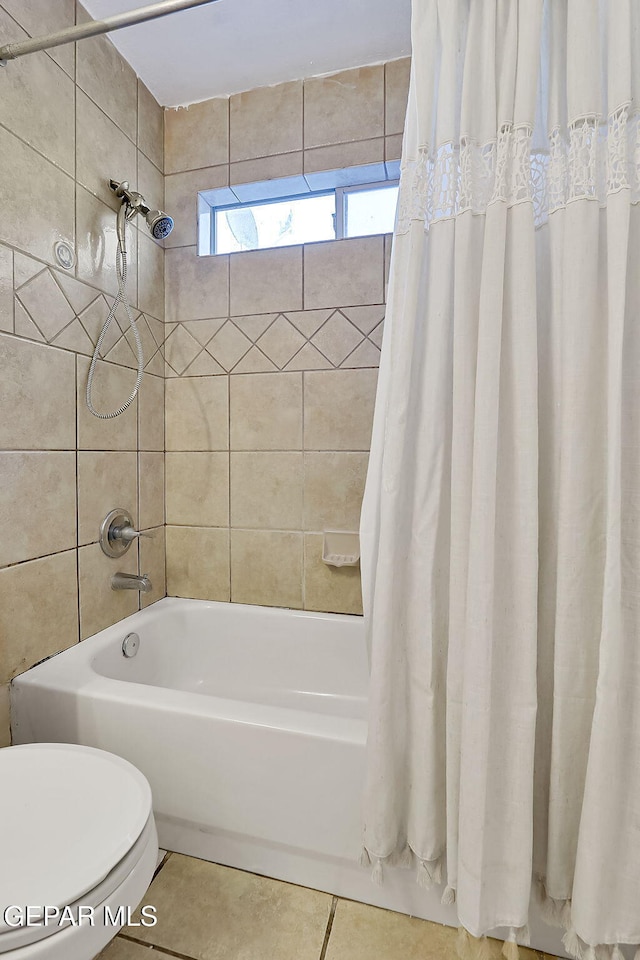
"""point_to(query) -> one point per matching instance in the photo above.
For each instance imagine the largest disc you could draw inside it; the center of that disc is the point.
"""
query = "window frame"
(339, 183)
(341, 204)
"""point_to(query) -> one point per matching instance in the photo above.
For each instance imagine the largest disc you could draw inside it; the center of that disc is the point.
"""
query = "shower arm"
(93, 28)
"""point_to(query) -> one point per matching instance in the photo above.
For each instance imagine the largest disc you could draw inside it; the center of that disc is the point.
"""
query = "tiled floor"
(209, 912)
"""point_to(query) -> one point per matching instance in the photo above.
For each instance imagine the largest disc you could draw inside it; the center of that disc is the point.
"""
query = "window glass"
(278, 223)
(370, 211)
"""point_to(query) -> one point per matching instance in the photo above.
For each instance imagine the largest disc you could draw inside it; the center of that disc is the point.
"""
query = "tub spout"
(131, 581)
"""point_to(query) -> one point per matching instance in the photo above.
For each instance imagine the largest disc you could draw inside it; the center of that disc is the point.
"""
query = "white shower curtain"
(501, 522)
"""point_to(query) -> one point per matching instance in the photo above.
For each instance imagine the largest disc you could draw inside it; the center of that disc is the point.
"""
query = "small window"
(275, 223)
(370, 210)
(345, 203)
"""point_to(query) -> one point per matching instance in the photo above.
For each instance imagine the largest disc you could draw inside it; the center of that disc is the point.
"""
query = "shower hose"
(121, 298)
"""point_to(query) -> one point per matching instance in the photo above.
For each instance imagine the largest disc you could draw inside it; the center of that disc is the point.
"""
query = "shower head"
(160, 224)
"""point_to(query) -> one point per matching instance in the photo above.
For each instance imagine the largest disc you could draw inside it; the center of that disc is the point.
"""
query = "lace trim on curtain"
(588, 160)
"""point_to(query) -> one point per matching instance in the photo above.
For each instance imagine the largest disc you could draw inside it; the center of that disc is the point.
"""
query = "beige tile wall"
(271, 356)
(68, 121)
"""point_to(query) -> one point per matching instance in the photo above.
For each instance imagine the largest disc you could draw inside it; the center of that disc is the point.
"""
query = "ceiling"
(233, 45)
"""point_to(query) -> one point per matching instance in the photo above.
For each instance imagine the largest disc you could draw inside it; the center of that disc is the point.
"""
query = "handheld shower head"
(160, 224)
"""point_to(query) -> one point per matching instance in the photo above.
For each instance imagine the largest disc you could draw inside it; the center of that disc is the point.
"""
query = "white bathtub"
(250, 725)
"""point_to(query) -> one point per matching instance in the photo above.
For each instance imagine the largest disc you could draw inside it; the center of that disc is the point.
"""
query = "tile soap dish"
(341, 548)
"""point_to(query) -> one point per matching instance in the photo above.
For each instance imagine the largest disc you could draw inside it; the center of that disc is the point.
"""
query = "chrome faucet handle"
(127, 534)
(117, 533)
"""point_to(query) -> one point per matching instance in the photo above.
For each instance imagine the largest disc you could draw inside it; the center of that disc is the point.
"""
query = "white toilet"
(76, 829)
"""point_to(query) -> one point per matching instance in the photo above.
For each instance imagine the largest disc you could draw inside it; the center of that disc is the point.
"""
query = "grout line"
(269, 156)
(239, 527)
(236, 373)
(240, 359)
(47, 52)
(13, 291)
(108, 117)
(31, 146)
(71, 323)
(153, 947)
(55, 274)
(138, 151)
(44, 556)
(109, 450)
(327, 935)
(44, 341)
(255, 450)
(269, 360)
(74, 353)
(266, 156)
(303, 258)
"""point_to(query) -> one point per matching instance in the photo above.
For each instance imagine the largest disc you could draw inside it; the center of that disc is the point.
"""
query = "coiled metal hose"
(121, 298)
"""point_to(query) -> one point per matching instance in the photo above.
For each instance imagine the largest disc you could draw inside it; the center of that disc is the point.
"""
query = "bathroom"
(312, 644)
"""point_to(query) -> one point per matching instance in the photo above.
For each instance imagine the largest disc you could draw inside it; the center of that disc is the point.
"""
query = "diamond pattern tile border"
(302, 340)
(53, 307)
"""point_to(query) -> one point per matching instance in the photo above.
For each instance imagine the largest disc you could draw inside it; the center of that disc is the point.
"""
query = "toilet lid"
(68, 815)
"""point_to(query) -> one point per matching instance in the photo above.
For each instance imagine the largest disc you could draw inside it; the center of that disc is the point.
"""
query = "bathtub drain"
(130, 645)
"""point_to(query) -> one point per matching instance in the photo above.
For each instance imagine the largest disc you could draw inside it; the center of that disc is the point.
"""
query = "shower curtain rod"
(93, 28)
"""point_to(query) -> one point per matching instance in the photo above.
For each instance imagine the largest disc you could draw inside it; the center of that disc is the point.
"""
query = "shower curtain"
(501, 522)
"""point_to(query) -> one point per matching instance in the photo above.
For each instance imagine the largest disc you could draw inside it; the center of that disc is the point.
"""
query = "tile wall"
(271, 356)
(68, 121)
